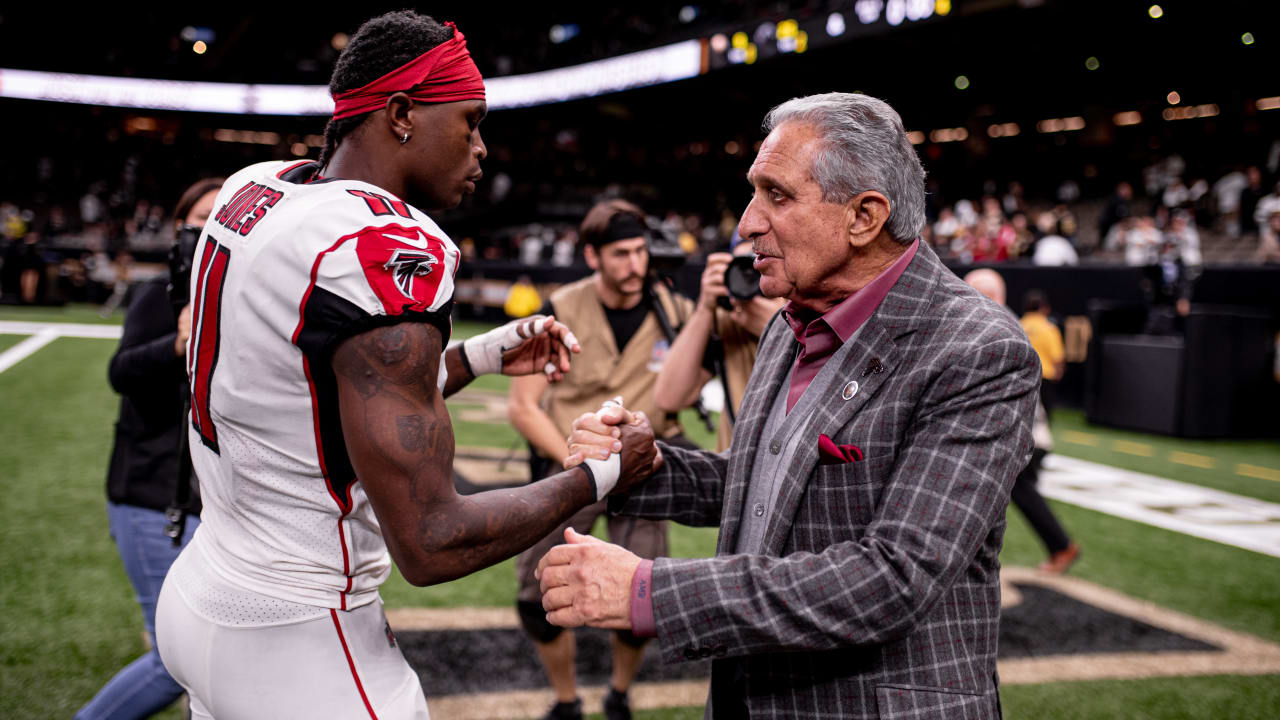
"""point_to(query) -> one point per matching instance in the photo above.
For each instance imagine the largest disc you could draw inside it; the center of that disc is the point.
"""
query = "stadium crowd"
(87, 241)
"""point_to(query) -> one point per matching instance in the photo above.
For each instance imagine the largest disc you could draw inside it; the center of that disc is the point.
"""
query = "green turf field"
(71, 620)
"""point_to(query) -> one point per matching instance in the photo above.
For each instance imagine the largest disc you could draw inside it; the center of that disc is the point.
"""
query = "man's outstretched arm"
(400, 441)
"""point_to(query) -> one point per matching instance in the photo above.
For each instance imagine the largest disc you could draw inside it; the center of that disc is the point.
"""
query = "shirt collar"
(846, 317)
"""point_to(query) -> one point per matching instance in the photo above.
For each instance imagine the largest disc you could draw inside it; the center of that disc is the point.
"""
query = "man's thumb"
(573, 537)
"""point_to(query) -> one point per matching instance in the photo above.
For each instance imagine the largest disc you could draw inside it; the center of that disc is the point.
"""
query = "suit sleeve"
(948, 488)
(688, 488)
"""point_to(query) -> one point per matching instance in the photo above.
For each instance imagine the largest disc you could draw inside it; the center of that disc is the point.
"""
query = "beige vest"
(600, 371)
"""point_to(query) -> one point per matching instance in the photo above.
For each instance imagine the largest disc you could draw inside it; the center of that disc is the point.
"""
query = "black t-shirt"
(623, 323)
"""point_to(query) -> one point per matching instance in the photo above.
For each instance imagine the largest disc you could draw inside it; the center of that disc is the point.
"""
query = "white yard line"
(1223, 517)
(44, 333)
(79, 330)
(22, 350)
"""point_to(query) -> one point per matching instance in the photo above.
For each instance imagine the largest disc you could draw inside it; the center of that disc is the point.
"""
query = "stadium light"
(835, 25)
(1173, 97)
(688, 14)
(868, 11)
(962, 82)
(895, 11)
(1247, 38)
(198, 47)
(659, 65)
(1268, 103)
(1129, 117)
(1156, 12)
(942, 7)
(1092, 63)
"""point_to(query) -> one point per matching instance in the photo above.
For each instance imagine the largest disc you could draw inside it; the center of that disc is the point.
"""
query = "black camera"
(741, 278)
(181, 256)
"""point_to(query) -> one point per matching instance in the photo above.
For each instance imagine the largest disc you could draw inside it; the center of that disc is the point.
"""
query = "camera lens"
(741, 278)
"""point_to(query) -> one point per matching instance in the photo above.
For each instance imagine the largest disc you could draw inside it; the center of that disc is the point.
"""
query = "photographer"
(732, 311)
(147, 370)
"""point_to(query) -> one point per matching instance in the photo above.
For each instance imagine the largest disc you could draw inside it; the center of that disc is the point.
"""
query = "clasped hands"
(587, 581)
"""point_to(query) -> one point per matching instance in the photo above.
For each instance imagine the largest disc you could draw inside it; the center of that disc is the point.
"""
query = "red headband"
(444, 73)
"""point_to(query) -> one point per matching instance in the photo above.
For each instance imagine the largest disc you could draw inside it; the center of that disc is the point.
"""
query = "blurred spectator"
(1119, 208)
(1141, 242)
(1226, 192)
(1268, 247)
(522, 299)
(1051, 248)
(1249, 196)
(1182, 240)
(1268, 238)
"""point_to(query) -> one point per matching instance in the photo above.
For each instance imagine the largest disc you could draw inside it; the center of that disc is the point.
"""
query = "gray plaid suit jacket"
(877, 594)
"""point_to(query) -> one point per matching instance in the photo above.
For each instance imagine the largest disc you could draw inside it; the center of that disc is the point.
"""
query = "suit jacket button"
(690, 653)
(704, 653)
(775, 447)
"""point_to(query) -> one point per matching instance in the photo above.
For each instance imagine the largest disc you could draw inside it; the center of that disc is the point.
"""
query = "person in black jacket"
(148, 372)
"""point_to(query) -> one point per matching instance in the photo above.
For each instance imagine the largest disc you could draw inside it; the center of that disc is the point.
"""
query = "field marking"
(1133, 448)
(1182, 507)
(26, 348)
(1260, 473)
(42, 334)
(78, 330)
(1192, 459)
(1240, 654)
(1080, 438)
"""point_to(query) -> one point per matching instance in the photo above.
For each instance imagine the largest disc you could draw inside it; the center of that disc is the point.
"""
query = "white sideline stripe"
(1202, 512)
(19, 352)
(79, 330)
(44, 333)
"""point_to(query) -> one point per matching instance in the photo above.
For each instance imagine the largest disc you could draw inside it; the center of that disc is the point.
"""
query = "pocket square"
(829, 453)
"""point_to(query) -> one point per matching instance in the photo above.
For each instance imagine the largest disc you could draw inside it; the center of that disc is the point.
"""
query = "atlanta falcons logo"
(407, 264)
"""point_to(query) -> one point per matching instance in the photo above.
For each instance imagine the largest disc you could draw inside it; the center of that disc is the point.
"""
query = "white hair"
(864, 148)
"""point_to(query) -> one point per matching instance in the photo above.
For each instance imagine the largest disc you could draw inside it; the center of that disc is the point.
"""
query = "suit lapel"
(899, 314)
(773, 362)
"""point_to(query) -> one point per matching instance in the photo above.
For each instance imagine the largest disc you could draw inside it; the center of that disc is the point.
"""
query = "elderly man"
(861, 504)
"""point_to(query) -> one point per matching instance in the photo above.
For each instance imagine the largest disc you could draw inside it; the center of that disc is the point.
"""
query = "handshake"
(616, 446)
(587, 581)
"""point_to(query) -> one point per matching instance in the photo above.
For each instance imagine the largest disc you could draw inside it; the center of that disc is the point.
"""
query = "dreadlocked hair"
(381, 45)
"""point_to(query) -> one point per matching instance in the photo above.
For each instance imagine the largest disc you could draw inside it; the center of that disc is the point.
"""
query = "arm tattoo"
(412, 433)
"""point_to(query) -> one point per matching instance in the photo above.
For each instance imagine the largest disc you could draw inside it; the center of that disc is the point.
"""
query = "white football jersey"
(284, 271)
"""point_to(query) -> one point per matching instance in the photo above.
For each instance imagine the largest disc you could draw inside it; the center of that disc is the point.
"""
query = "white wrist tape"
(604, 473)
(484, 351)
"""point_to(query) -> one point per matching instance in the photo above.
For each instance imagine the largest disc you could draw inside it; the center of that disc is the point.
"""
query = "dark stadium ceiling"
(266, 43)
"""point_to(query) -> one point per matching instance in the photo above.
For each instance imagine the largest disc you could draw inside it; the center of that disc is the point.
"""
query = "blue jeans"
(144, 687)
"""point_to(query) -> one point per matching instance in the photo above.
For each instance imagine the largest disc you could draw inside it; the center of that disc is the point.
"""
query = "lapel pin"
(874, 366)
(850, 390)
